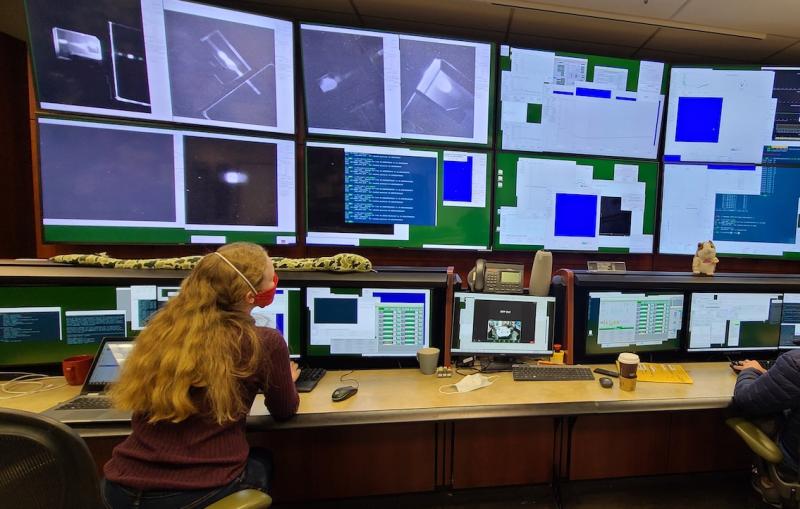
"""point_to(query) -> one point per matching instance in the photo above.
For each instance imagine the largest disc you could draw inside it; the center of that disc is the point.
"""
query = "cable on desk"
(343, 379)
(25, 378)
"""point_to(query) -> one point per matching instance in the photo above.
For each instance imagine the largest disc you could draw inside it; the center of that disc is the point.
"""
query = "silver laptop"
(93, 405)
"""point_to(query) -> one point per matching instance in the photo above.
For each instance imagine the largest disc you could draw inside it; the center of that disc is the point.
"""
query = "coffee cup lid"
(628, 358)
(428, 350)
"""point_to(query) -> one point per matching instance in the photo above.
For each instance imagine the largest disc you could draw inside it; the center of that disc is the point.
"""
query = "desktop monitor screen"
(364, 196)
(746, 115)
(495, 324)
(284, 316)
(580, 104)
(368, 322)
(163, 60)
(790, 321)
(575, 204)
(126, 184)
(633, 322)
(734, 321)
(744, 209)
(387, 85)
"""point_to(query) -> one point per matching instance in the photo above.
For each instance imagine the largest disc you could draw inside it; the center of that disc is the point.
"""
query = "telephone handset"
(496, 277)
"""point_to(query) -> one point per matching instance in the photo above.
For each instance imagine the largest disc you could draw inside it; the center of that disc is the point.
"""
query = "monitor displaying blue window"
(734, 321)
(360, 195)
(496, 324)
(734, 115)
(283, 315)
(367, 322)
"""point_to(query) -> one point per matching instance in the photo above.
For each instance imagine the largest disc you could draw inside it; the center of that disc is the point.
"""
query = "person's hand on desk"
(749, 364)
(295, 370)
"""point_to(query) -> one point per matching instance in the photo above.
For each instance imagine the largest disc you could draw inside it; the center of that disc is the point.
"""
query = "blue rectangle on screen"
(740, 167)
(457, 177)
(279, 323)
(329, 310)
(576, 215)
(400, 298)
(626, 98)
(562, 92)
(698, 119)
(672, 159)
(593, 92)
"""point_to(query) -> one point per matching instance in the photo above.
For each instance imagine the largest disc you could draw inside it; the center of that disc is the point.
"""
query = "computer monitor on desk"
(283, 315)
(790, 321)
(735, 321)
(499, 325)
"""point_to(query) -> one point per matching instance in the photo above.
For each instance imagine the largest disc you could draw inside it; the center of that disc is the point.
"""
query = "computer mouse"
(606, 382)
(342, 393)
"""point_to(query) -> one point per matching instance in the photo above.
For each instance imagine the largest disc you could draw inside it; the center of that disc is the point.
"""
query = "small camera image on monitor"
(496, 324)
(230, 182)
(639, 322)
(735, 321)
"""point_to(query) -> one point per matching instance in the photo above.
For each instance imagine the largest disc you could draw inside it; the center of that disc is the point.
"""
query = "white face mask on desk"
(468, 383)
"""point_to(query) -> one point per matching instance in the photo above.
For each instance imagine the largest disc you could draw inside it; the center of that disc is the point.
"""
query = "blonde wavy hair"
(202, 342)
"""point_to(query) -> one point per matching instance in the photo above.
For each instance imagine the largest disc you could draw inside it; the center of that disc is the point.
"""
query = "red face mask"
(265, 298)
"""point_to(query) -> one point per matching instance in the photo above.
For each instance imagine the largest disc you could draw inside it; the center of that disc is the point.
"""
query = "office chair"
(45, 464)
(786, 486)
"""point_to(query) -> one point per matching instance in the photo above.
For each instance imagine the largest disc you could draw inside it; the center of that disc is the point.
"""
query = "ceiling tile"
(671, 57)
(463, 13)
(579, 28)
(701, 43)
(432, 29)
(545, 43)
(789, 56)
(661, 9)
(780, 17)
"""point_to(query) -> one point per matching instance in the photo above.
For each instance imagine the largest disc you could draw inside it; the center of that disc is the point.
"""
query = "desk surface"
(405, 395)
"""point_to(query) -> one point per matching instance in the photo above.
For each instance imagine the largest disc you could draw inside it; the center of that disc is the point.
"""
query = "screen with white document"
(790, 321)
(574, 204)
(368, 195)
(396, 86)
(734, 115)
(367, 322)
(167, 60)
(283, 315)
(734, 321)
(128, 184)
(580, 104)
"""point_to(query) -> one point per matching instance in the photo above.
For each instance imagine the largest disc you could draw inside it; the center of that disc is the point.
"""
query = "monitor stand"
(498, 363)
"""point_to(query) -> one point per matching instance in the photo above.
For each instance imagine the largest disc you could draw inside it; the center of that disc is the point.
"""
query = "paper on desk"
(664, 373)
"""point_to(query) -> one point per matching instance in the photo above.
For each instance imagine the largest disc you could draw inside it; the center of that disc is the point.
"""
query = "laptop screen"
(110, 358)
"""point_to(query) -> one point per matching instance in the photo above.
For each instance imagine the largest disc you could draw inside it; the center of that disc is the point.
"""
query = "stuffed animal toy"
(705, 260)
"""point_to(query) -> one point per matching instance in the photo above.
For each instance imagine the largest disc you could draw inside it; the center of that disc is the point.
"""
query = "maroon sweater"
(198, 453)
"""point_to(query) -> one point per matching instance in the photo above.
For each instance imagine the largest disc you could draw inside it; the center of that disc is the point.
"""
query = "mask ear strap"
(238, 272)
(448, 392)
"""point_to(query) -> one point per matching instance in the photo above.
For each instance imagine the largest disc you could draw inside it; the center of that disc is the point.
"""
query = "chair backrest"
(44, 464)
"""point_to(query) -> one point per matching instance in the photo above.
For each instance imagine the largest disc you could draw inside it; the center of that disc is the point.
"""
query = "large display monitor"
(490, 324)
(744, 115)
(399, 86)
(734, 321)
(126, 184)
(367, 322)
(359, 195)
(633, 322)
(575, 204)
(163, 60)
(580, 104)
(745, 210)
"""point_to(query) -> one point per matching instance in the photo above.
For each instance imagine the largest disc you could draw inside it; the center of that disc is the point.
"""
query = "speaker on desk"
(541, 274)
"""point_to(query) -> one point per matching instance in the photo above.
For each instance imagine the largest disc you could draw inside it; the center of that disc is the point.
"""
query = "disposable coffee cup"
(628, 364)
(428, 359)
(627, 383)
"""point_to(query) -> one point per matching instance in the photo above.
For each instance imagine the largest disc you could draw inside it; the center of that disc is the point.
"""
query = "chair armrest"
(245, 499)
(756, 440)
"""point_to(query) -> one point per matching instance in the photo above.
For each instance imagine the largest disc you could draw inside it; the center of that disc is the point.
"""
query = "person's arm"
(769, 392)
(280, 393)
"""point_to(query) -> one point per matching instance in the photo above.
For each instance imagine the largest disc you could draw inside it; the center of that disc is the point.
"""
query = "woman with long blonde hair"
(190, 382)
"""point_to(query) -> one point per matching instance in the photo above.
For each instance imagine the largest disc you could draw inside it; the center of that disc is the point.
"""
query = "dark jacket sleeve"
(280, 393)
(772, 392)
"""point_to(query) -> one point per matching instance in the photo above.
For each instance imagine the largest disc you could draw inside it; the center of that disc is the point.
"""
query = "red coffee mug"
(76, 368)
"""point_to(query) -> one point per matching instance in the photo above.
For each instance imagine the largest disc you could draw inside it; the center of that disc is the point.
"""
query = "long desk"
(536, 431)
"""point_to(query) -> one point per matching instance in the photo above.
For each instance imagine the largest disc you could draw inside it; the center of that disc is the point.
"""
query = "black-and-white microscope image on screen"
(221, 70)
(437, 83)
(90, 53)
(344, 75)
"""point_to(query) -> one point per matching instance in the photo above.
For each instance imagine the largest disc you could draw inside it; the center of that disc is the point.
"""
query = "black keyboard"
(309, 378)
(87, 403)
(526, 373)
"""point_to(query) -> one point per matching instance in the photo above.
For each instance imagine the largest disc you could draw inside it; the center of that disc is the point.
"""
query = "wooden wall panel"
(700, 441)
(500, 452)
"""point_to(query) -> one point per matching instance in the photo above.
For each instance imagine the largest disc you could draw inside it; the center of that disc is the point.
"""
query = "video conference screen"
(164, 60)
(633, 322)
(575, 204)
(359, 195)
(580, 104)
(745, 210)
(114, 183)
(735, 321)
(368, 322)
(503, 324)
(387, 85)
(734, 115)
